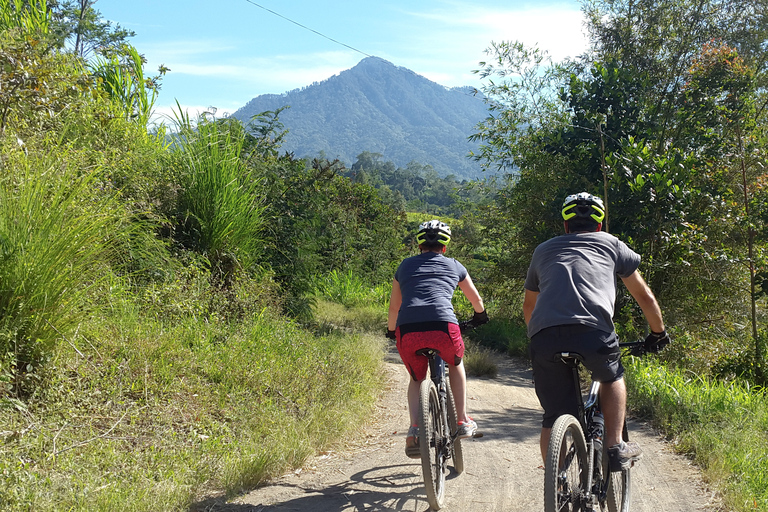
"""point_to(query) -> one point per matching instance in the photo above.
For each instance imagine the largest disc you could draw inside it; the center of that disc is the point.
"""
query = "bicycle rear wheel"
(453, 424)
(618, 492)
(566, 467)
(431, 443)
(617, 497)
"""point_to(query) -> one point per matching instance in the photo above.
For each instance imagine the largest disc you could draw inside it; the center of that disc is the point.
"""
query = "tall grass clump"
(57, 227)
(148, 414)
(349, 289)
(220, 208)
(721, 425)
(344, 300)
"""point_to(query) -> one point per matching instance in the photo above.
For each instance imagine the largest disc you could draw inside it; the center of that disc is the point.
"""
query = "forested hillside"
(381, 108)
(172, 297)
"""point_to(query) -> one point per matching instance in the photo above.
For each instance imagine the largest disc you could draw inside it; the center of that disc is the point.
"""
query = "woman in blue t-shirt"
(421, 316)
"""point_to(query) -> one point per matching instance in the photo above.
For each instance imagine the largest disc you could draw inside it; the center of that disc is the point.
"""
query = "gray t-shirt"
(575, 275)
(427, 282)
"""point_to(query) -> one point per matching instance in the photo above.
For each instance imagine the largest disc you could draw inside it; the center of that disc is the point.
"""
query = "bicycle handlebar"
(466, 325)
(634, 348)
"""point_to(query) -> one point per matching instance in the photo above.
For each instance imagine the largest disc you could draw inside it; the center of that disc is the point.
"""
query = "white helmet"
(583, 205)
(433, 231)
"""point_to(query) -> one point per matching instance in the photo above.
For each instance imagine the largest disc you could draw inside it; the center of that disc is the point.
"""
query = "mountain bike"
(577, 473)
(438, 427)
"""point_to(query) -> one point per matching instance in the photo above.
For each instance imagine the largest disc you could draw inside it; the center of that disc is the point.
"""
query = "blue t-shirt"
(575, 275)
(427, 282)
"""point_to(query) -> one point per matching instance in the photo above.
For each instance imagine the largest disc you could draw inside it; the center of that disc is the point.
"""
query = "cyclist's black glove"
(391, 335)
(479, 319)
(656, 341)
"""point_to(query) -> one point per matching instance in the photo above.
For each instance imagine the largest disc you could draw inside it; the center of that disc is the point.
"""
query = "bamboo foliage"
(125, 83)
(34, 18)
(221, 206)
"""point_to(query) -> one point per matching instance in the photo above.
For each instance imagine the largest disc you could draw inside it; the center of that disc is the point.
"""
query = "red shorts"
(447, 342)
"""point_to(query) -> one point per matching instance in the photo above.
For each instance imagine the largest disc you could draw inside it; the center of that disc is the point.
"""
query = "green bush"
(721, 425)
(220, 212)
(58, 229)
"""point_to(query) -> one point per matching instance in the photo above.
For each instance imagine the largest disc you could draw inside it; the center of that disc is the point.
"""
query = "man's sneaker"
(466, 429)
(412, 443)
(623, 456)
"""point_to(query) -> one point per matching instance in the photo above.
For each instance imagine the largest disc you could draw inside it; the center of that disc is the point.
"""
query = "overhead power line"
(306, 28)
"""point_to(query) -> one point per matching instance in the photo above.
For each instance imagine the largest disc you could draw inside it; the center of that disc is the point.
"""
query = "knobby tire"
(617, 498)
(618, 495)
(430, 433)
(566, 455)
(453, 424)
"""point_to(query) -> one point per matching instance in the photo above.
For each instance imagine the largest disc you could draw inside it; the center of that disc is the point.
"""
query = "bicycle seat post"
(437, 369)
(572, 360)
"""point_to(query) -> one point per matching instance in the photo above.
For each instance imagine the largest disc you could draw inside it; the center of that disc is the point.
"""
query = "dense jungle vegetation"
(172, 295)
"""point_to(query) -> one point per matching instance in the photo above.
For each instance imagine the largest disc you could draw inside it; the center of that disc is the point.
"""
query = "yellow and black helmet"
(433, 231)
(584, 206)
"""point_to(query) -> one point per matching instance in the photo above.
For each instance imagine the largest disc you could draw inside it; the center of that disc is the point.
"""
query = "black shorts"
(553, 380)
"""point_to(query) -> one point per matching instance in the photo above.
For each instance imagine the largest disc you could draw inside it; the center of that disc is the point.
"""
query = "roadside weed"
(721, 425)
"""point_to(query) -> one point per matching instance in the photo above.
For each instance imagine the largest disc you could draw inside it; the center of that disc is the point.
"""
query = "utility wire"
(307, 28)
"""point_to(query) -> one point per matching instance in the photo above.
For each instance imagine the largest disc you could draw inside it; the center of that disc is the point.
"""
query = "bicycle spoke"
(566, 467)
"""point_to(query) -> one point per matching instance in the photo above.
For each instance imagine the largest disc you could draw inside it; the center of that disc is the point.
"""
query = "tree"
(657, 120)
(78, 24)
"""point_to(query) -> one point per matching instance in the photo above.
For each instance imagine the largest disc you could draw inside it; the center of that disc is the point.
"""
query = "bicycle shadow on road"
(384, 488)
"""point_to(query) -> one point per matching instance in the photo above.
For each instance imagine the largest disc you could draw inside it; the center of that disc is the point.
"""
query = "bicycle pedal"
(477, 435)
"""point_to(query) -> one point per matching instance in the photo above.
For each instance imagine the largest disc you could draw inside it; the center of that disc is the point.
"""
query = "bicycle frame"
(438, 442)
(590, 418)
(437, 374)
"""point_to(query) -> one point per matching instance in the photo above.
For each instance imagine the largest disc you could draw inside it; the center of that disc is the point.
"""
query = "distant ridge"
(382, 108)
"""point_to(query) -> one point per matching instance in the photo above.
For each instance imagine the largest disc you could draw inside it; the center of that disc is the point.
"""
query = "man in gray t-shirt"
(570, 291)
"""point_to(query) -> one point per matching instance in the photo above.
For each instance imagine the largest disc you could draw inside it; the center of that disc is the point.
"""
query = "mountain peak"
(373, 61)
(379, 107)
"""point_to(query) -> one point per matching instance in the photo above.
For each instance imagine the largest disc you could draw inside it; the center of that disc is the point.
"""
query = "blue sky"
(222, 53)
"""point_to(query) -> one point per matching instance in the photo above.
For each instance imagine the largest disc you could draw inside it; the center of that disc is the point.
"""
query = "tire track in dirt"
(503, 469)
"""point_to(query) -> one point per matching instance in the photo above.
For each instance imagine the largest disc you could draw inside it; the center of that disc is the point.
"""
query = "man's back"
(575, 277)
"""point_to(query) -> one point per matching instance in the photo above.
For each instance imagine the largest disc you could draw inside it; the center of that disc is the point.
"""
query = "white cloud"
(456, 36)
(444, 44)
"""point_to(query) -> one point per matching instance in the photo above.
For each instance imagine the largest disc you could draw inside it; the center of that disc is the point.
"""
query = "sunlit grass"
(332, 316)
(147, 415)
(59, 227)
(351, 290)
(721, 425)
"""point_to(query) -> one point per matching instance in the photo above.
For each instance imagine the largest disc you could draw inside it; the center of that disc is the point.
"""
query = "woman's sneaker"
(412, 443)
(466, 429)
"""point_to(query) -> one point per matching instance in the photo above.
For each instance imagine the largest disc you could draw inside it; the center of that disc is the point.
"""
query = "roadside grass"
(345, 301)
(479, 361)
(331, 316)
(350, 290)
(143, 415)
(721, 425)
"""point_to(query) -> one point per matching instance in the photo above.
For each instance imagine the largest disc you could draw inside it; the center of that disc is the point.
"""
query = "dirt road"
(503, 469)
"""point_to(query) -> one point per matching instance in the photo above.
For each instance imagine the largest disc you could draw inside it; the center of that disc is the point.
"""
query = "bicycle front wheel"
(453, 424)
(431, 444)
(566, 467)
